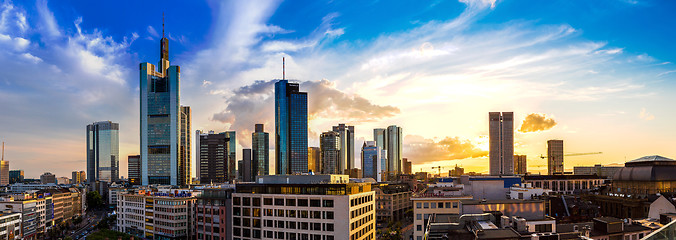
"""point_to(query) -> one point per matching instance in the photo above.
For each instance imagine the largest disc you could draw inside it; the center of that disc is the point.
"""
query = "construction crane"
(439, 168)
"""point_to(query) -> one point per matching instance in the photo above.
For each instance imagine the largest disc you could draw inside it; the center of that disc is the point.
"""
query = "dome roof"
(648, 168)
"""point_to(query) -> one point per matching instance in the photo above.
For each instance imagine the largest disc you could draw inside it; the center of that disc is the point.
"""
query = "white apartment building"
(10, 225)
(316, 207)
(425, 205)
(156, 215)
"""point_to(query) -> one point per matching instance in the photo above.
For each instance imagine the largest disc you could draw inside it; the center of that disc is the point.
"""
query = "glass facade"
(232, 154)
(369, 160)
(290, 128)
(103, 151)
(347, 147)
(329, 143)
(260, 142)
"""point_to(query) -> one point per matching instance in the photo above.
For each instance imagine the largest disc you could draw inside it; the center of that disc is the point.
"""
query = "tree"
(94, 200)
(392, 232)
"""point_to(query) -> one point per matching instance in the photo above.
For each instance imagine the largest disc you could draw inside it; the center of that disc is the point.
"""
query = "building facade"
(156, 215)
(564, 184)
(213, 214)
(10, 226)
(4, 172)
(78, 177)
(395, 139)
(260, 144)
(290, 128)
(232, 154)
(554, 157)
(184, 153)
(103, 151)
(47, 178)
(329, 145)
(134, 169)
(212, 157)
(346, 134)
(289, 207)
(425, 205)
(246, 170)
(314, 162)
(598, 169)
(16, 176)
(408, 168)
(370, 157)
(520, 165)
(501, 143)
(393, 201)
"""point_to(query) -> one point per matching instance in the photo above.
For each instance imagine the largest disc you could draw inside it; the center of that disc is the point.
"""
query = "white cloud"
(646, 115)
(31, 58)
(49, 24)
(153, 32)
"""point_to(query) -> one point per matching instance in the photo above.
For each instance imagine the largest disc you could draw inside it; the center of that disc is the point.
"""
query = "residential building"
(47, 178)
(157, 214)
(303, 207)
(232, 154)
(103, 151)
(329, 145)
(260, 144)
(346, 161)
(598, 169)
(290, 128)
(184, 153)
(62, 180)
(10, 225)
(501, 143)
(134, 169)
(213, 215)
(78, 177)
(370, 157)
(29, 216)
(212, 157)
(555, 157)
(160, 121)
(520, 165)
(564, 184)
(16, 176)
(407, 166)
(526, 191)
(314, 161)
(393, 201)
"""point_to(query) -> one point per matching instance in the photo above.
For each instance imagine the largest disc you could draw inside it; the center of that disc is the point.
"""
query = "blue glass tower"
(290, 128)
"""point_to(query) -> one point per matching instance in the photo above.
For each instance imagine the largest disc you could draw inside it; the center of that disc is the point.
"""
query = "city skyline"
(563, 78)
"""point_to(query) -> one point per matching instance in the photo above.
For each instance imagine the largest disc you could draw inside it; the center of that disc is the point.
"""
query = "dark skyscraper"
(329, 143)
(260, 142)
(290, 128)
(346, 147)
(134, 169)
(212, 157)
(232, 154)
(501, 141)
(15, 176)
(103, 151)
(246, 168)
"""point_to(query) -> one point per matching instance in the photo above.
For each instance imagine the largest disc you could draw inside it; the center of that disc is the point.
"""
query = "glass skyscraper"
(290, 128)
(370, 158)
(329, 147)
(232, 154)
(161, 116)
(260, 144)
(103, 151)
(347, 147)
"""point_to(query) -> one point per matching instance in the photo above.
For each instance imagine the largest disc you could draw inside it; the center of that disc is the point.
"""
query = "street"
(87, 225)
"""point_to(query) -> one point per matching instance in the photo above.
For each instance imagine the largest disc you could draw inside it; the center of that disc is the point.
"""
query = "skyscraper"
(260, 144)
(520, 164)
(314, 162)
(407, 166)
(501, 142)
(4, 168)
(15, 176)
(212, 157)
(554, 156)
(246, 171)
(103, 151)
(394, 144)
(134, 169)
(290, 128)
(370, 157)
(346, 147)
(329, 147)
(160, 120)
(185, 157)
(78, 177)
(232, 155)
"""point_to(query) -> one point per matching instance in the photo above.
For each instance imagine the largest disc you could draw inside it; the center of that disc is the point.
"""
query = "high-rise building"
(4, 168)
(103, 151)
(554, 156)
(16, 176)
(346, 147)
(232, 154)
(47, 178)
(184, 154)
(394, 147)
(160, 120)
(370, 157)
(78, 177)
(246, 166)
(520, 164)
(212, 157)
(381, 139)
(407, 166)
(134, 169)
(501, 143)
(290, 128)
(260, 144)
(314, 161)
(329, 147)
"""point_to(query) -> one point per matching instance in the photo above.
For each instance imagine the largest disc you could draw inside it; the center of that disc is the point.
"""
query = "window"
(291, 202)
(455, 204)
(441, 205)
(448, 205)
(267, 201)
(418, 227)
(426, 205)
(328, 203)
(302, 202)
(279, 202)
(314, 203)
(418, 205)
(418, 216)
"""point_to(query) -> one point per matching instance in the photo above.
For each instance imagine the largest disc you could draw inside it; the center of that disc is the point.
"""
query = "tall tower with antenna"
(290, 127)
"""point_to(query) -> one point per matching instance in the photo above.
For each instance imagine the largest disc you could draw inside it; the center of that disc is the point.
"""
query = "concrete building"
(290, 128)
(501, 143)
(564, 184)
(314, 161)
(184, 151)
(329, 143)
(134, 169)
(62, 180)
(4, 168)
(555, 157)
(526, 191)
(16, 176)
(212, 157)
(246, 170)
(598, 169)
(303, 207)
(346, 161)
(213, 215)
(47, 178)
(407, 166)
(260, 146)
(425, 205)
(392, 202)
(78, 177)
(10, 225)
(103, 151)
(520, 165)
(157, 214)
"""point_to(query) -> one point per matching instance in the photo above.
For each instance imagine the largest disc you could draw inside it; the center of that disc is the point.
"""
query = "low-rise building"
(564, 184)
(156, 214)
(213, 214)
(526, 191)
(605, 172)
(393, 201)
(427, 204)
(10, 225)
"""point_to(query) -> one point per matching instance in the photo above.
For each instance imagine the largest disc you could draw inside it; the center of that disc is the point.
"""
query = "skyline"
(435, 74)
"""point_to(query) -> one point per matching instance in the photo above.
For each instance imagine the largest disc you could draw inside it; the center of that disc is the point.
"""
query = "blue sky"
(601, 71)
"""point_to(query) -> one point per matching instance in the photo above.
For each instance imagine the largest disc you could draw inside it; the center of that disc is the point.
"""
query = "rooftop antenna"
(162, 24)
(283, 69)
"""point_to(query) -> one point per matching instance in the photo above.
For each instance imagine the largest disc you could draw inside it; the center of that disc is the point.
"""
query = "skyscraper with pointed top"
(290, 127)
(164, 122)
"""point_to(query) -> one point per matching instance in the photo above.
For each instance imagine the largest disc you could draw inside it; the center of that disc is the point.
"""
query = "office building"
(246, 167)
(555, 157)
(157, 215)
(10, 225)
(16, 176)
(4, 172)
(501, 143)
(214, 214)
(564, 184)
(370, 156)
(346, 134)
(407, 166)
(47, 178)
(260, 144)
(598, 169)
(290, 128)
(161, 115)
(78, 177)
(212, 157)
(393, 200)
(314, 162)
(134, 169)
(62, 180)
(329, 147)
(103, 151)
(184, 153)
(425, 205)
(394, 147)
(232, 154)
(520, 164)
(303, 207)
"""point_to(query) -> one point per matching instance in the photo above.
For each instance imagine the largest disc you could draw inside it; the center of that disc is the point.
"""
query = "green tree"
(94, 200)
(392, 232)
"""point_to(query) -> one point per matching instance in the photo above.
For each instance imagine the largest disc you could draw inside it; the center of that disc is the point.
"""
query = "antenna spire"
(162, 24)
(283, 69)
